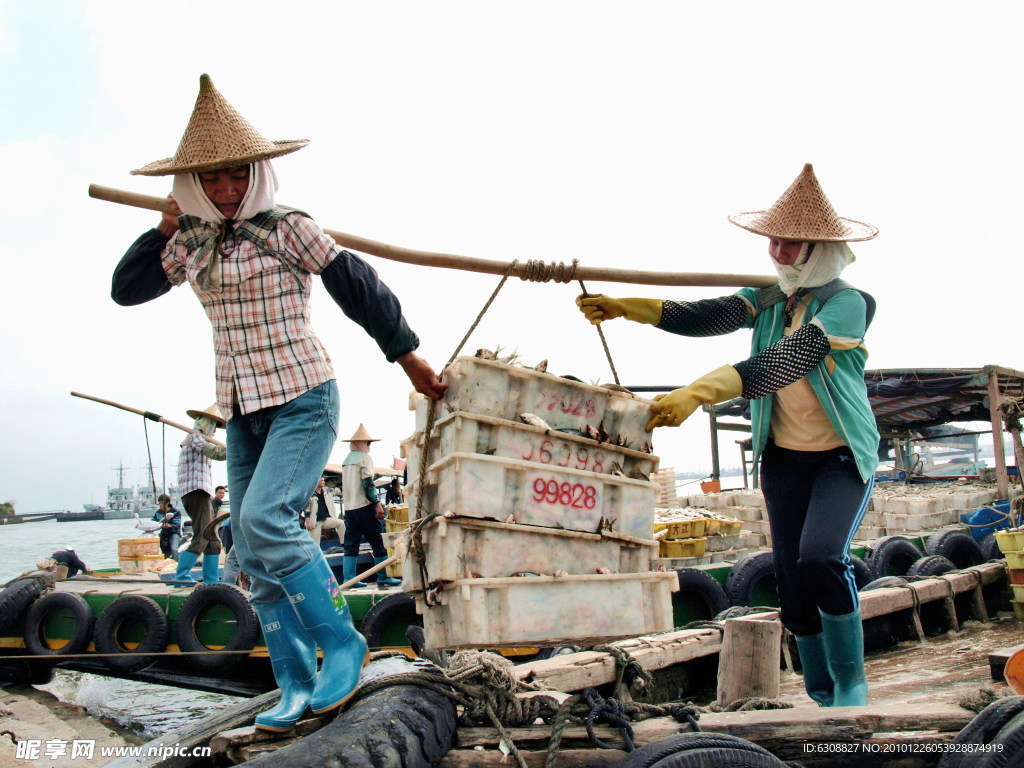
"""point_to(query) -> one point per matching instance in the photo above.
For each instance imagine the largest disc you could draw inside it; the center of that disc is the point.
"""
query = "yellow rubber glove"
(673, 409)
(598, 308)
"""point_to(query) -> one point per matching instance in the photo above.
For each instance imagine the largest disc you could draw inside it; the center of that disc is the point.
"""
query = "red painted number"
(573, 495)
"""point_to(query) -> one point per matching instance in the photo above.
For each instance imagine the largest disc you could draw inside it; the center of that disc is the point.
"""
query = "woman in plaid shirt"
(250, 263)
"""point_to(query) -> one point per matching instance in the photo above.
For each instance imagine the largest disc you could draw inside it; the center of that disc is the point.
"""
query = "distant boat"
(70, 517)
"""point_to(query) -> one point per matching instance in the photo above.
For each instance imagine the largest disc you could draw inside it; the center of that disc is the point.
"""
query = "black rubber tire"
(892, 556)
(204, 597)
(884, 582)
(125, 611)
(1011, 738)
(982, 730)
(751, 579)
(697, 750)
(930, 565)
(403, 726)
(388, 613)
(30, 671)
(702, 589)
(44, 608)
(861, 571)
(16, 598)
(990, 547)
(957, 547)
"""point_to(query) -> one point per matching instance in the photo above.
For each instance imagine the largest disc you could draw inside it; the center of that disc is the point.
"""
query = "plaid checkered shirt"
(267, 352)
(195, 471)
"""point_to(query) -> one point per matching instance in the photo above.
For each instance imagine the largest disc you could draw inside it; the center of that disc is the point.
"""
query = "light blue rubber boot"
(186, 560)
(383, 580)
(844, 644)
(817, 678)
(211, 568)
(293, 657)
(348, 571)
(322, 610)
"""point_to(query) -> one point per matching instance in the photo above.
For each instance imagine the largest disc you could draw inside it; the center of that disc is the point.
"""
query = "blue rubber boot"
(211, 568)
(322, 610)
(186, 560)
(293, 658)
(348, 571)
(844, 644)
(817, 678)
(383, 580)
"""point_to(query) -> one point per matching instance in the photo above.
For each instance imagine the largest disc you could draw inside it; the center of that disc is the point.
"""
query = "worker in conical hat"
(363, 509)
(195, 484)
(814, 434)
(251, 262)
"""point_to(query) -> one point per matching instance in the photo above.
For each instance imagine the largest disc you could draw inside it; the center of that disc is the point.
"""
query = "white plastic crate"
(506, 391)
(463, 432)
(527, 493)
(463, 547)
(546, 610)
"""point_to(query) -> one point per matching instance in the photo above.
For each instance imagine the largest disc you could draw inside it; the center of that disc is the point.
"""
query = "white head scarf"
(188, 193)
(826, 263)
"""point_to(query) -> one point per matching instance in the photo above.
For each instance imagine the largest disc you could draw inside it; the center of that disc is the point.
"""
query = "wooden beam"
(995, 400)
(576, 671)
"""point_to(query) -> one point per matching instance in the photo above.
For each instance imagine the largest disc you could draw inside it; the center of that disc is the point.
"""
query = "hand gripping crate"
(463, 432)
(534, 611)
(464, 547)
(491, 388)
(508, 490)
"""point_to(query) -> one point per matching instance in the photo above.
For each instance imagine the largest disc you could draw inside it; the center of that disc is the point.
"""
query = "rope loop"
(610, 711)
(539, 272)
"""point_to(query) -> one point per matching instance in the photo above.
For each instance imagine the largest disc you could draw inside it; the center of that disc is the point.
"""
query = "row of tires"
(751, 581)
(130, 630)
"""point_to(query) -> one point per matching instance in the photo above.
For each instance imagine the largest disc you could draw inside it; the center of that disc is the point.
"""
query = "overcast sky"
(621, 134)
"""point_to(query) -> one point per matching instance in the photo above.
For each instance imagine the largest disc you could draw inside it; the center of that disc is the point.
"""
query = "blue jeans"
(275, 458)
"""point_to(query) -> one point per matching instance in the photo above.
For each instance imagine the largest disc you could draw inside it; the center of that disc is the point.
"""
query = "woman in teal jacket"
(813, 430)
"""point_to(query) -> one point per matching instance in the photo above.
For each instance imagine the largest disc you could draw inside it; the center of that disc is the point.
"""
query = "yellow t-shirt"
(799, 423)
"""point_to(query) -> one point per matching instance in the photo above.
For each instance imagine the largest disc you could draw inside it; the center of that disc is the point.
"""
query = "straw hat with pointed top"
(216, 137)
(362, 435)
(804, 214)
(213, 412)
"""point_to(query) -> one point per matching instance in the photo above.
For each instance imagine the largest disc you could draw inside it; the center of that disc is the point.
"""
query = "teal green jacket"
(838, 380)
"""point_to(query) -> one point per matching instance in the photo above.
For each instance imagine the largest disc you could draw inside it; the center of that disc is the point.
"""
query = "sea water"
(147, 709)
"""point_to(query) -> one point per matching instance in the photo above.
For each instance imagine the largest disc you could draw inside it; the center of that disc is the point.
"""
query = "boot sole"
(366, 660)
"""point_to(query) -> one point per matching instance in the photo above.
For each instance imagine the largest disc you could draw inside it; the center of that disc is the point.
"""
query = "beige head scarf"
(188, 193)
(826, 263)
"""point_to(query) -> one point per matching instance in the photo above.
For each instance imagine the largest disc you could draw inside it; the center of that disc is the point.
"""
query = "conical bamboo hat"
(217, 137)
(804, 214)
(362, 435)
(213, 412)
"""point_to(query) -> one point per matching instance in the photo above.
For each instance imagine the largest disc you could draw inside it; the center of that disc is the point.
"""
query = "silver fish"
(535, 421)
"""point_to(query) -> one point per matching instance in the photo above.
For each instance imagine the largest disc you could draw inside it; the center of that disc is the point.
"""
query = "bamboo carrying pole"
(147, 414)
(470, 264)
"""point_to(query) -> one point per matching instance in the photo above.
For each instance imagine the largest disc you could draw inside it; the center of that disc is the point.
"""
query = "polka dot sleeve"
(787, 360)
(708, 317)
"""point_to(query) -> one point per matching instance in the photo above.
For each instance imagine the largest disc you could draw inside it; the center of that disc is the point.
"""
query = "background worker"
(195, 483)
(319, 515)
(813, 429)
(68, 558)
(170, 527)
(250, 263)
(363, 510)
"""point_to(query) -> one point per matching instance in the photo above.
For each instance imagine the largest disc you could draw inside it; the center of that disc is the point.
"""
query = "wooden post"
(995, 400)
(748, 665)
